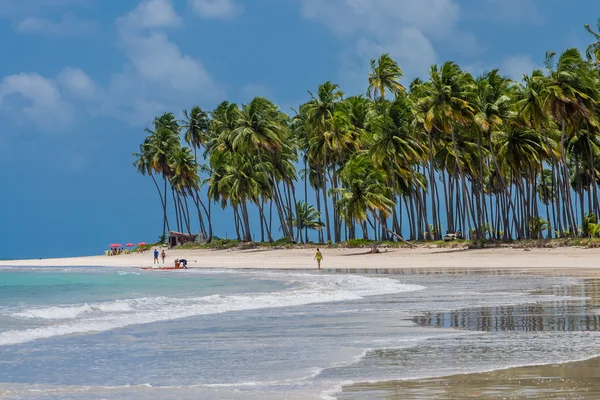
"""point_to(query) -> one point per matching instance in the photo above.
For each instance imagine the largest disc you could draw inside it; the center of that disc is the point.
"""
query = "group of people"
(116, 251)
(162, 254)
(182, 263)
(179, 263)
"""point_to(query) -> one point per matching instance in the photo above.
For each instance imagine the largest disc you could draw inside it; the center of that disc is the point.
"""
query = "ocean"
(110, 333)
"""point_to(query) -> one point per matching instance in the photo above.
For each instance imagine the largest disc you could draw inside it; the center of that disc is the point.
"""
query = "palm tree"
(385, 75)
(545, 191)
(142, 163)
(446, 106)
(196, 125)
(520, 151)
(593, 50)
(569, 97)
(162, 142)
(319, 118)
(494, 105)
(364, 190)
(308, 218)
(261, 130)
(485, 152)
(394, 147)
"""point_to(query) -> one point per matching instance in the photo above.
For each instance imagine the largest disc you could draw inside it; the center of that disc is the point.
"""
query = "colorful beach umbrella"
(113, 245)
(141, 243)
(130, 245)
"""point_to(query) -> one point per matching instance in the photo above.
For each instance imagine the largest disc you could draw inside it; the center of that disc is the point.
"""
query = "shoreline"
(577, 261)
(567, 262)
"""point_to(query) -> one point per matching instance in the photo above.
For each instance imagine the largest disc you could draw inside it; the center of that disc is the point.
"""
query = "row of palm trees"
(486, 156)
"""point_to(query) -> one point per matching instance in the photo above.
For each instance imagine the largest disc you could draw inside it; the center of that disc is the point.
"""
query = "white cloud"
(217, 9)
(160, 61)
(409, 30)
(78, 83)
(150, 14)
(158, 76)
(380, 17)
(37, 98)
(69, 25)
(517, 65)
(409, 47)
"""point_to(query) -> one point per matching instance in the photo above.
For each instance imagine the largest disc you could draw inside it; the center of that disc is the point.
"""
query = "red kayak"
(163, 268)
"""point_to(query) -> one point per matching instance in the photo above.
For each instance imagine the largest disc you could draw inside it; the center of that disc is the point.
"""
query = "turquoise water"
(106, 333)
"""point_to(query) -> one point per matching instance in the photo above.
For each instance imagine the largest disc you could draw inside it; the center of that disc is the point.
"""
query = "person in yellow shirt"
(318, 257)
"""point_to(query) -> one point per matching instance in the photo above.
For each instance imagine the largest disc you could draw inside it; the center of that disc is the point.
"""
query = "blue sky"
(80, 79)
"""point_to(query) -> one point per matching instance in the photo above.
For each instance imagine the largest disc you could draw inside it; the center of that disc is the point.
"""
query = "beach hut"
(178, 238)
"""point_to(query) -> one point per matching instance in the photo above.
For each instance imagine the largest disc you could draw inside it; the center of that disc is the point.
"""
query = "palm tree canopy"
(385, 75)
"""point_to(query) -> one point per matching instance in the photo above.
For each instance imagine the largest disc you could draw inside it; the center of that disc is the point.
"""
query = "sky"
(81, 79)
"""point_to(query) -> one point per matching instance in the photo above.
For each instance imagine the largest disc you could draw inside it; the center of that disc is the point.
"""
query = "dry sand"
(574, 260)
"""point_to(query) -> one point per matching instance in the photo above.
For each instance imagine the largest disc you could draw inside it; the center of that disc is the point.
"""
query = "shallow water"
(100, 333)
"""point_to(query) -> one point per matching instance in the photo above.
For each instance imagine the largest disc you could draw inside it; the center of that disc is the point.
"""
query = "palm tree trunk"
(196, 197)
(379, 215)
(237, 224)
(567, 190)
(162, 203)
(187, 215)
(176, 210)
(306, 189)
(166, 219)
(432, 184)
(318, 196)
(248, 237)
(279, 206)
(262, 223)
(447, 204)
(324, 189)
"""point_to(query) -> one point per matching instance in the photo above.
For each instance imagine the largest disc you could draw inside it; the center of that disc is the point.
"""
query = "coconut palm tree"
(196, 125)
(484, 152)
(385, 75)
(142, 163)
(446, 106)
(545, 191)
(394, 148)
(363, 190)
(593, 50)
(261, 130)
(308, 218)
(569, 98)
(162, 142)
(319, 118)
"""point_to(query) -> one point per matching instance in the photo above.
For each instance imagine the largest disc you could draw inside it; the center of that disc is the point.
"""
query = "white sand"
(572, 259)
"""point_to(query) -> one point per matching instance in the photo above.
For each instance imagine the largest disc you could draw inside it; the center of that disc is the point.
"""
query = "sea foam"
(103, 316)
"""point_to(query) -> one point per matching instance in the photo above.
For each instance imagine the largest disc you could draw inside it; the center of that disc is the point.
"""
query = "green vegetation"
(495, 159)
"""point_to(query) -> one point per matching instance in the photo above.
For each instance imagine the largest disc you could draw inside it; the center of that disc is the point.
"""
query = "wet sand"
(570, 381)
(576, 380)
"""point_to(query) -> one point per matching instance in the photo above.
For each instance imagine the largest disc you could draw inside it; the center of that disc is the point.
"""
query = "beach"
(567, 259)
(421, 323)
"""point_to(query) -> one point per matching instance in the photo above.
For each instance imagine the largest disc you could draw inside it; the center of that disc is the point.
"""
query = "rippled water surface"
(100, 333)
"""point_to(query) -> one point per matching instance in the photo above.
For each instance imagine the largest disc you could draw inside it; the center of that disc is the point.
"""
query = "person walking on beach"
(318, 257)
(155, 256)
(163, 255)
